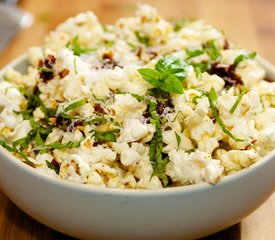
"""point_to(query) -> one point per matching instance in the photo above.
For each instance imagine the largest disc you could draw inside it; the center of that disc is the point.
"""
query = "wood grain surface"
(250, 23)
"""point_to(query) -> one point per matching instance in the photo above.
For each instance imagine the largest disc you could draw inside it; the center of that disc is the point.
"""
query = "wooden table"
(250, 23)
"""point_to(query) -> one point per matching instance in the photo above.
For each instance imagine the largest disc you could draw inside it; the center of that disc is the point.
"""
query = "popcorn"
(193, 168)
(84, 110)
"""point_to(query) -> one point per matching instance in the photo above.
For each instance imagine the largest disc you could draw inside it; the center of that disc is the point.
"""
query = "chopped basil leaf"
(110, 44)
(16, 151)
(75, 105)
(95, 120)
(142, 38)
(212, 50)
(27, 114)
(132, 45)
(193, 53)
(52, 166)
(75, 67)
(107, 136)
(77, 49)
(238, 100)
(178, 138)
(243, 57)
(212, 96)
(156, 145)
(180, 24)
(6, 146)
(5, 78)
(59, 145)
(39, 141)
(200, 67)
(197, 73)
(44, 69)
(191, 150)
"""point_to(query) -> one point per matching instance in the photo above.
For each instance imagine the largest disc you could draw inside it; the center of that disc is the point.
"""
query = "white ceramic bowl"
(95, 213)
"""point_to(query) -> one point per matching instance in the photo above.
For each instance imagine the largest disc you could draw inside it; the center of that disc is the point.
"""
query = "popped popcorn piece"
(193, 168)
(133, 128)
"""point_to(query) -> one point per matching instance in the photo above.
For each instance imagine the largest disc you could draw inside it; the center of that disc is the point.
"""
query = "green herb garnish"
(167, 75)
(238, 100)
(27, 114)
(191, 150)
(180, 24)
(44, 69)
(16, 151)
(131, 45)
(178, 138)
(156, 145)
(59, 145)
(110, 44)
(52, 166)
(212, 97)
(95, 120)
(193, 53)
(106, 136)
(75, 67)
(243, 57)
(76, 104)
(77, 48)
(5, 78)
(142, 38)
(212, 50)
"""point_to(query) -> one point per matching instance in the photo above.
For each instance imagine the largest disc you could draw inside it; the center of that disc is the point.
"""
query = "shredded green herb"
(193, 53)
(178, 138)
(132, 45)
(156, 145)
(44, 69)
(191, 150)
(142, 38)
(238, 100)
(5, 78)
(77, 48)
(181, 23)
(95, 120)
(52, 166)
(59, 145)
(106, 136)
(16, 151)
(243, 57)
(75, 105)
(212, 97)
(212, 50)
(75, 67)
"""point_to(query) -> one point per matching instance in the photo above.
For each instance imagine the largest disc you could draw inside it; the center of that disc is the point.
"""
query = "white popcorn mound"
(141, 104)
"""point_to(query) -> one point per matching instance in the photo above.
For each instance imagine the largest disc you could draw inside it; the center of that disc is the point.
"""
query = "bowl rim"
(90, 189)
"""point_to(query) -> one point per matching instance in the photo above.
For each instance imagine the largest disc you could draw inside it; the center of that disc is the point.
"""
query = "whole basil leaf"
(171, 84)
(152, 76)
(173, 65)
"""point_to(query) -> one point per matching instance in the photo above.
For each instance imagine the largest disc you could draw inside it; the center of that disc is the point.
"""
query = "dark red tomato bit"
(99, 109)
(55, 164)
(64, 73)
(227, 73)
(108, 61)
(50, 61)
